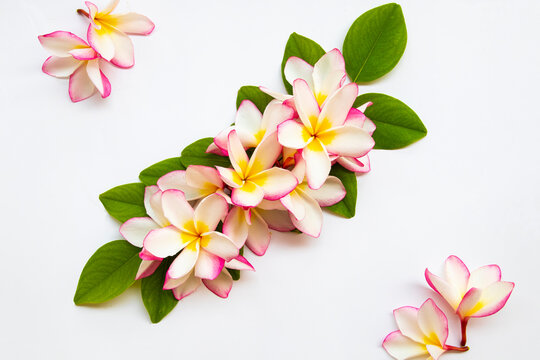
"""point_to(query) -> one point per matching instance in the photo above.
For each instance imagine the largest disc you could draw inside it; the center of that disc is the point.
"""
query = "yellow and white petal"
(235, 226)
(187, 288)
(80, 85)
(442, 287)
(258, 235)
(153, 205)
(230, 177)
(293, 134)
(275, 113)
(248, 124)
(204, 177)
(210, 211)
(296, 68)
(60, 43)
(220, 245)
(208, 265)
(275, 182)
(330, 193)
(306, 105)
(123, 49)
(237, 154)
(483, 277)
(328, 75)
(311, 224)
(480, 303)
(433, 323)
(164, 242)
(401, 347)
(295, 204)
(185, 261)
(109, 8)
(177, 180)
(60, 67)
(135, 230)
(177, 210)
(407, 322)
(221, 286)
(95, 75)
(336, 108)
(131, 23)
(101, 41)
(347, 140)
(265, 155)
(457, 274)
(317, 164)
(147, 268)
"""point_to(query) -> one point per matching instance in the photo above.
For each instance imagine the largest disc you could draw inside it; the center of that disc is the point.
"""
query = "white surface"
(470, 188)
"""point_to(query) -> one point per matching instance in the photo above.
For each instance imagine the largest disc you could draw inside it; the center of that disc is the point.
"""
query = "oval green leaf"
(347, 206)
(255, 95)
(151, 174)
(125, 201)
(158, 302)
(375, 43)
(397, 124)
(108, 273)
(195, 154)
(302, 47)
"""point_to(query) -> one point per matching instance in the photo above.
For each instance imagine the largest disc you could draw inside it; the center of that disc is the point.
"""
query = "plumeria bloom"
(196, 182)
(324, 78)
(253, 179)
(192, 233)
(107, 33)
(251, 226)
(74, 58)
(322, 131)
(251, 126)
(471, 294)
(422, 333)
(136, 229)
(356, 117)
(304, 203)
(221, 285)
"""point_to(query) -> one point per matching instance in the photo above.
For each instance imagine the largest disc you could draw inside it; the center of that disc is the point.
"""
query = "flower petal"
(208, 265)
(97, 77)
(235, 226)
(258, 235)
(237, 154)
(177, 180)
(147, 268)
(110, 7)
(177, 210)
(275, 95)
(347, 140)
(433, 323)
(135, 230)
(457, 274)
(132, 23)
(330, 193)
(153, 205)
(220, 245)
(443, 288)
(401, 347)
(483, 277)
(317, 164)
(481, 303)
(171, 283)
(230, 177)
(204, 177)
(337, 107)
(296, 68)
(265, 155)
(295, 204)
(221, 286)
(165, 241)
(275, 182)
(185, 261)
(123, 49)
(60, 66)
(210, 211)
(407, 322)
(80, 85)
(101, 42)
(306, 105)
(293, 135)
(275, 113)
(86, 53)
(249, 195)
(239, 263)
(187, 288)
(59, 43)
(311, 224)
(359, 165)
(248, 124)
(435, 351)
(278, 220)
(328, 74)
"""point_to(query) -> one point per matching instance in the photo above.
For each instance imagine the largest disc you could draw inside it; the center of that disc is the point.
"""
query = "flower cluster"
(203, 216)
(424, 331)
(108, 42)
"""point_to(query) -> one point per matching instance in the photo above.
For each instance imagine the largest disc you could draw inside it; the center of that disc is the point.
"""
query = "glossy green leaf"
(195, 154)
(302, 47)
(347, 206)
(375, 43)
(110, 271)
(125, 201)
(151, 174)
(158, 302)
(255, 95)
(397, 124)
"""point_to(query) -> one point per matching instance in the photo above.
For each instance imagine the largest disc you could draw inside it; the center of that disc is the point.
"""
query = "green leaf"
(347, 206)
(158, 302)
(195, 154)
(302, 47)
(375, 43)
(235, 274)
(397, 124)
(151, 174)
(255, 95)
(125, 201)
(110, 271)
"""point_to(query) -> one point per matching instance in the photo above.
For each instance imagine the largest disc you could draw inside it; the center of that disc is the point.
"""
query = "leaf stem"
(464, 323)
(83, 13)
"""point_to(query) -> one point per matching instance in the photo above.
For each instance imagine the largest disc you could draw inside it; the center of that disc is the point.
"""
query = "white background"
(470, 188)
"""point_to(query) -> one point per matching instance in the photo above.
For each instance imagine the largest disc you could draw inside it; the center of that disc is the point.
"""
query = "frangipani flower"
(107, 32)
(471, 294)
(422, 333)
(324, 78)
(135, 230)
(357, 118)
(253, 179)
(304, 203)
(251, 126)
(323, 131)
(196, 182)
(192, 233)
(74, 58)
